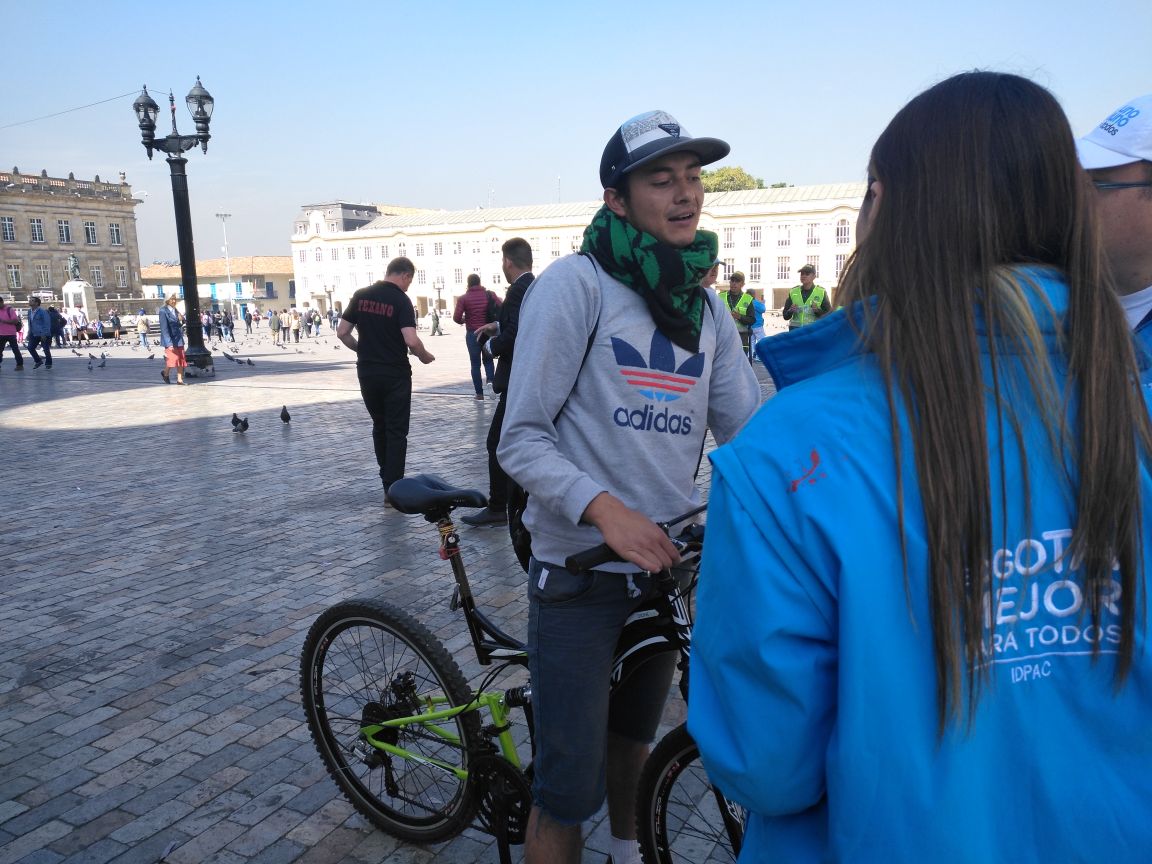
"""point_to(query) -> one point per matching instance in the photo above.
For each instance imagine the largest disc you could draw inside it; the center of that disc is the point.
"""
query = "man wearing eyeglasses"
(1118, 157)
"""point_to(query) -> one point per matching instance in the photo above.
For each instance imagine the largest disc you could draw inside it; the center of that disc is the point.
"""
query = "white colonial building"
(768, 234)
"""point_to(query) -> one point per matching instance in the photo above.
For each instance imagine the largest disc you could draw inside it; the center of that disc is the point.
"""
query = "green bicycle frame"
(492, 700)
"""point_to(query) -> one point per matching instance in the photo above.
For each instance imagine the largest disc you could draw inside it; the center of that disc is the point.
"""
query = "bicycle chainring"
(502, 791)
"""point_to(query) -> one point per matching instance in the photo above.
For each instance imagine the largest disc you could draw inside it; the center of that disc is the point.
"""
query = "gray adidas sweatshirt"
(628, 420)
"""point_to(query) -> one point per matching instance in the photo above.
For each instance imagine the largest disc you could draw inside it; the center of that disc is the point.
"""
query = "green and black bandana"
(666, 277)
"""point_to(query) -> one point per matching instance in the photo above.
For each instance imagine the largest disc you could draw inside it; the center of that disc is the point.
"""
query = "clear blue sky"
(455, 104)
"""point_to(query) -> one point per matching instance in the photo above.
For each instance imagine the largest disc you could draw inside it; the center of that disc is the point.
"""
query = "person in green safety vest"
(739, 305)
(806, 302)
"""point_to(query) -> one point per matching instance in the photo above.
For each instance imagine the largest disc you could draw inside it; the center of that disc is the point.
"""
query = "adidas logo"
(660, 379)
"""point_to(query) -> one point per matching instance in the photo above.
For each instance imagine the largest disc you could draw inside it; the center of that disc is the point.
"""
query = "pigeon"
(103, 356)
(235, 419)
(234, 350)
(100, 365)
(335, 347)
(284, 415)
(151, 356)
(298, 351)
(250, 363)
(242, 426)
(91, 356)
(89, 365)
(77, 353)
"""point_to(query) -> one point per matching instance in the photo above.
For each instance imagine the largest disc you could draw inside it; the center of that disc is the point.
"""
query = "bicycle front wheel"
(680, 816)
(365, 662)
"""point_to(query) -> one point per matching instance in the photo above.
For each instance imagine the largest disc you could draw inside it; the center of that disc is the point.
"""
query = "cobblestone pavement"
(159, 573)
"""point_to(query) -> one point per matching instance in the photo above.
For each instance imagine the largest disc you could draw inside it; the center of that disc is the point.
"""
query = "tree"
(729, 180)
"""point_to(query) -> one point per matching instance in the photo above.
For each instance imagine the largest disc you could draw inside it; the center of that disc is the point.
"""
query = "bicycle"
(401, 732)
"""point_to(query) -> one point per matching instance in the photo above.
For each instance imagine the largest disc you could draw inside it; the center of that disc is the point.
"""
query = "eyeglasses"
(1144, 185)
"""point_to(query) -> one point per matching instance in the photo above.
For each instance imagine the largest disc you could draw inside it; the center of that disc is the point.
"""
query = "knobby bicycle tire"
(680, 817)
(353, 657)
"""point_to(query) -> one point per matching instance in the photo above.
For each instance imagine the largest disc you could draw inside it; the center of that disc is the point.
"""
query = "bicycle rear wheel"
(366, 661)
(680, 816)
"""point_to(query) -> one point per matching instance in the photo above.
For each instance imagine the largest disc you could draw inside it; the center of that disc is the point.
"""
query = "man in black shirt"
(385, 332)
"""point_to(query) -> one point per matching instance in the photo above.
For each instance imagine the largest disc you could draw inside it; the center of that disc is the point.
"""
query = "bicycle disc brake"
(504, 796)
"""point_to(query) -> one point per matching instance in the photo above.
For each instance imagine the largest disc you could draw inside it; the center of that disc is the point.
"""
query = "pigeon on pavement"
(284, 415)
(242, 426)
(235, 419)
(151, 356)
(250, 363)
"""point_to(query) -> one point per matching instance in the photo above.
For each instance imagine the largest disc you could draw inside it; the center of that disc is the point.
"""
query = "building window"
(90, 233)
(420, 279)
(367, 253)
(121, 276)
(459, 274)
(782, 268)
(813, 234)
(556, 247)
(97, 274)
(37, 226)
(350, 253)
(401, 250)
(496, 279)
(301, 256)
(334, 254)
(269, 291)
(814, 262)
(316, 253)
(43, 276)
(754, 235)
(371, 278)
(753, 269)
(496, 244)
(729, 238)
(8, 229)
(292, 286)
(14, 277)
(840, 259)
(784, 235)
(437, 249)
(843, 234)
(419, 250)
(64, 229)
(384, 252)
(457, 247)
(114, 236)
(729, 264)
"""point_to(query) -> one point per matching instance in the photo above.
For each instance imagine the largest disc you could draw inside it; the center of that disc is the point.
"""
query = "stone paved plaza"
(158, 575)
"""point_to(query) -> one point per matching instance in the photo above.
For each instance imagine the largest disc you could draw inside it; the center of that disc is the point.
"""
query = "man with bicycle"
(606, 438)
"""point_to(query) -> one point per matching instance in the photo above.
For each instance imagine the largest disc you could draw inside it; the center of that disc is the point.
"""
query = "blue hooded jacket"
(813, 696)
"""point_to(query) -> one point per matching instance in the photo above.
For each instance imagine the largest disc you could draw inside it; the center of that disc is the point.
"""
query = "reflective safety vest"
(741, 307)
(805, 311)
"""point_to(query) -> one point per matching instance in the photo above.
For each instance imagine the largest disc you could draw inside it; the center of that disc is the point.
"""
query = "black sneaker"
(38, 364)
(487, 516)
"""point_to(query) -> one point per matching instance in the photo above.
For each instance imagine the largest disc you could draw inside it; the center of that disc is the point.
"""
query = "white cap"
(1124, 137)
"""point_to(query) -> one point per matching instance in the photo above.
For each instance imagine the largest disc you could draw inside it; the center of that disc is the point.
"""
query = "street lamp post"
(224, 217)
(438, 287)
(200, 104)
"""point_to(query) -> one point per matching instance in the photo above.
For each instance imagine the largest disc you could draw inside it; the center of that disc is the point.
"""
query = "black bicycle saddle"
(431, 495)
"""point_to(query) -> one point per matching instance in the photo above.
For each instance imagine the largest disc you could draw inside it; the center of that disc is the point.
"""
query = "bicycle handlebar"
(592, 558)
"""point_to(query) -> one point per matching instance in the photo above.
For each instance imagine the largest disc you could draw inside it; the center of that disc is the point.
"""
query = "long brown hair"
(979, 176)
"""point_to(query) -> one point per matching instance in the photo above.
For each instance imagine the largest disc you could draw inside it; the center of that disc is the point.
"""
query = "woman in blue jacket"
(921, 630)
(172, 338)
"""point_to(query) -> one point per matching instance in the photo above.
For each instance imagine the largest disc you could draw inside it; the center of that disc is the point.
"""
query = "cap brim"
(1093, 156)
(708, 149)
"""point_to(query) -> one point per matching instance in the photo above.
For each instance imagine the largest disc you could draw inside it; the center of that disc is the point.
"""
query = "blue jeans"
(574, 623)
(474, 353)
(143, 340)
(44, 342)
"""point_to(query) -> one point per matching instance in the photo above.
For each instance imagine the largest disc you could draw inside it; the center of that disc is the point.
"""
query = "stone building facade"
(241, 283)
(768, 234)
(45, 221)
